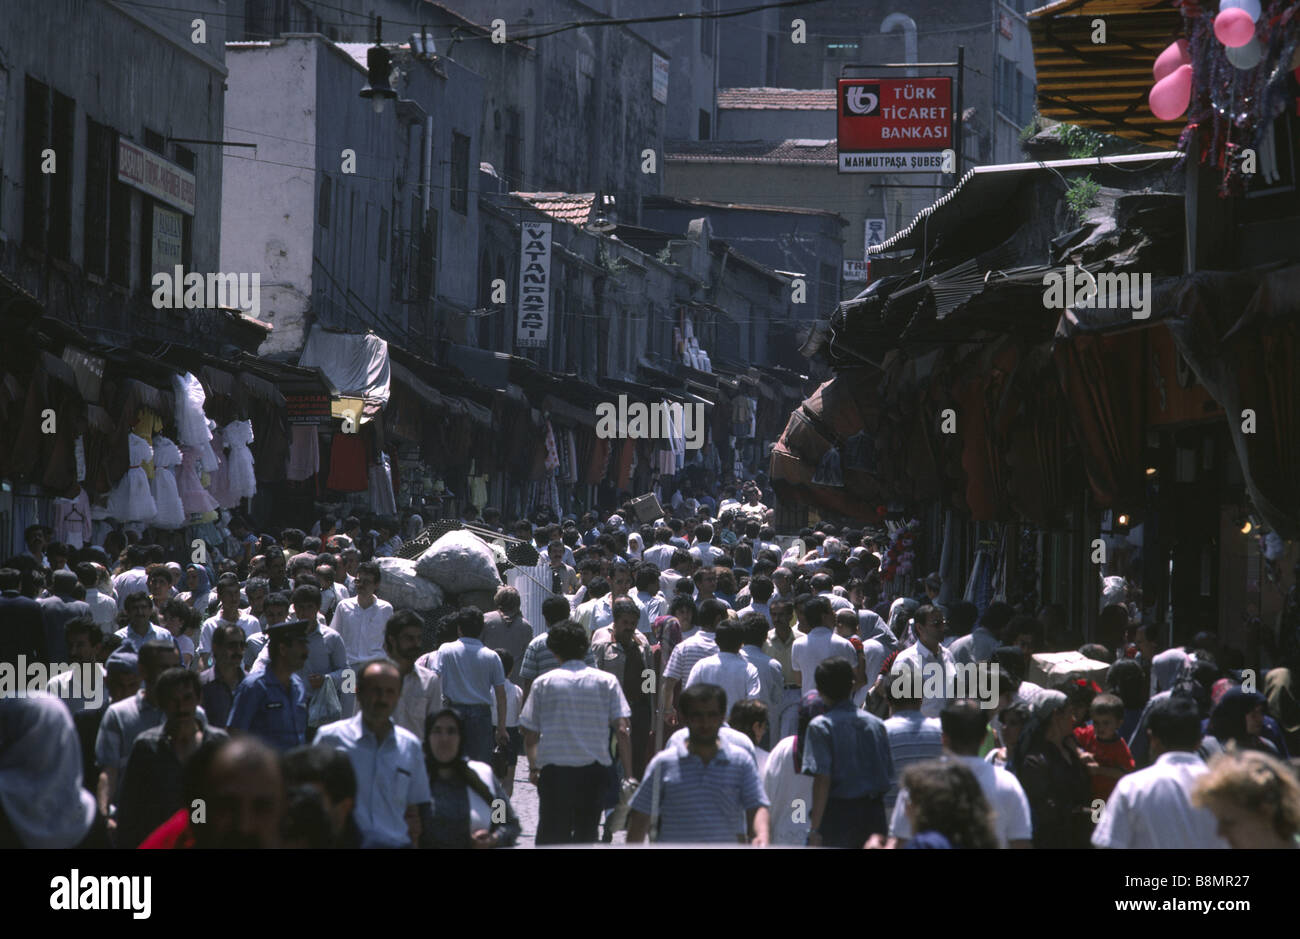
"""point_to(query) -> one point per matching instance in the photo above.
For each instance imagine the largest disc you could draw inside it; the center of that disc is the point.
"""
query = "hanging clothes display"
(192, 429)
(132, 499)
(166, 494)
(72, 524)
(304, 453)
(195, 499)
(243, 477)
(382, 500)
(348, 464)
(219, 478)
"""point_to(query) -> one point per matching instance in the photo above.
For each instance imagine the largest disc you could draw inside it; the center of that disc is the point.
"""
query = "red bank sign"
(894, 125)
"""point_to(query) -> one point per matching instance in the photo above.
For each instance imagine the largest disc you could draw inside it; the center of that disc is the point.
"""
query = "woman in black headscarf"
(1128, 682)
(1055, 781)
(468, 809)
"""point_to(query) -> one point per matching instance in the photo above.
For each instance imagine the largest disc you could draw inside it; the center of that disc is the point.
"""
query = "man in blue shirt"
(847, 754)
(703, 789)
(392, 782)
(272, 703)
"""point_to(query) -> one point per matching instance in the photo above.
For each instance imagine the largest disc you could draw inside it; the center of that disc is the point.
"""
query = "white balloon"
(1246, 57)
(1251, 7)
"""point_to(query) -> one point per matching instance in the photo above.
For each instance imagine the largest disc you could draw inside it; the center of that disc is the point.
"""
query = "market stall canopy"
(1104, 85)
(357, 365)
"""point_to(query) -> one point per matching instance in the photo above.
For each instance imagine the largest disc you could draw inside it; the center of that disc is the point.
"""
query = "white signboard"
(168, 239)
(534, 285)
(150, 173)
(660, 66)
(855, 271)
(873, 234)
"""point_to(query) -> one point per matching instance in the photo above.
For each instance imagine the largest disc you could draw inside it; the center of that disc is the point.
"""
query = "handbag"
(325, 706)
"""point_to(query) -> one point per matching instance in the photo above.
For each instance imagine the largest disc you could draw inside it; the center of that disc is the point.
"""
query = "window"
(383, 234)
(323, 210)
(514, 155)
(36, 137)
(707, 26)
(459, 173)
(119, 225)
(770, 64)
(155, 141)
(186, 159)
(841, 50)
(1015, 92)
(99, 167)
(4, 97)
(704, 125)
(64, 127)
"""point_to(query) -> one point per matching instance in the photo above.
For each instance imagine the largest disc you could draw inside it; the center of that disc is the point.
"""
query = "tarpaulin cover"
(356, 365)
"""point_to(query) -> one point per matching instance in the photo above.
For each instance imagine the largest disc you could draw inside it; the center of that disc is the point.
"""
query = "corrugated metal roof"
(778, 152)
(1104, 85)
(776, 99)
(571, 207)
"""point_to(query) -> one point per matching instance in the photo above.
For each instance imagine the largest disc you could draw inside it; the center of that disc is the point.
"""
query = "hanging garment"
(72, 524)
(219, 478)
(132, 499)
(382, 501)
(166, 494)
(552, 455)
(194, 498)
(243, 477)
(192, 428)
(304, 453)
(348, 464)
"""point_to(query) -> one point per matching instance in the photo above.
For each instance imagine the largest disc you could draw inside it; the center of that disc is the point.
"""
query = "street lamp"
(600, 223)
(379, 63)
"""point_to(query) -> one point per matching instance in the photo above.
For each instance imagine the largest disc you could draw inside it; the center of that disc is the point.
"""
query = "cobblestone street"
(524, 801)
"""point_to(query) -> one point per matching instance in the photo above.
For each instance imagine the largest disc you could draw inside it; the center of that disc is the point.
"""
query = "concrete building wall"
(756, 124)
(174, 88)
(691, 71)
(270, 195)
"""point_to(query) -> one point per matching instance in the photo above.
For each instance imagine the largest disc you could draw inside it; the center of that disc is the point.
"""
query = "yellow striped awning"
(1104, 85)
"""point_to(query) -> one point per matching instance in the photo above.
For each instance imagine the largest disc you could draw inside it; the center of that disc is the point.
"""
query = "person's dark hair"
(760, 588)
(87, 576)
(812, 610)
(1175, 722)
(704, 533)
(568, 640)
(468, 622)
(965, 724)
(679, 558)
(647, 578)
(366, 667)
(745, 714)
(330, 768)
(306, 822)
(1127, 680)
(1107, 705)
(597, 588)
(555, 609)
(507, 660)
(946, 798)
(754, 626)
(139, 596)
(459, 764)
(996, 616)
(172, 680)
(227, 632)
(1023, 625)
(278, 599)
(834, 679)
(730, 635)
(151, 653)
(83, 626)
(709, 614)
(821, 583)
(624, 606)
(1097, 652)
(402, 619)
(306, 593)
(700, 694)
(682, 601)
(372, 568)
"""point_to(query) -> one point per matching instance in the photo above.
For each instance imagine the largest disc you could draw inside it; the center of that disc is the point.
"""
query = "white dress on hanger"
(171, 511)
(243, 479)
(132, 499)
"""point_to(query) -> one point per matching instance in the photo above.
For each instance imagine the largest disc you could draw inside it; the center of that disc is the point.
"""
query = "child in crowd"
(1104, 751)
(182, 621)
(504, 760)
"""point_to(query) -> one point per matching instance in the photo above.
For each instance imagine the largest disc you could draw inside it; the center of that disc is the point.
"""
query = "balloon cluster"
(1235, 27)
(1173, 88)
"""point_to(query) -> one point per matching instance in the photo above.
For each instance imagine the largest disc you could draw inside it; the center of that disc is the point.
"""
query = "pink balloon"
(1175, 55)
(1234, 27)
(1171, 95)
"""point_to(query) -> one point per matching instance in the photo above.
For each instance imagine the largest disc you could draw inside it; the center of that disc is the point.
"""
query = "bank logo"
(861, 100)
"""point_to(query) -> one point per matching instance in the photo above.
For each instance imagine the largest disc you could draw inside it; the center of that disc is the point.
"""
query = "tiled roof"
(782, 152)
(571, 207)
(777, 99)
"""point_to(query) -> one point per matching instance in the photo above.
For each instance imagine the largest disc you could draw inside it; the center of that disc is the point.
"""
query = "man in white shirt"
(704, 552)
(760, 595)
(360, 620)
(964, 725)
(228, 595)
(689, 651)
(566, 721)
(818, 644)
(726, 668)
(103, 607)
(134, 579)
(81, 688)
(421, 695)
(771, 678)
(649, 596)
(931, 660)
(681, 567)
(660, 554)
(471, 674)
(1152, 807)
(620, 586)
(822, 586)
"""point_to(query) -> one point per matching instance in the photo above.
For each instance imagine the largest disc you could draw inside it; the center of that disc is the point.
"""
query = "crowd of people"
(697, 679)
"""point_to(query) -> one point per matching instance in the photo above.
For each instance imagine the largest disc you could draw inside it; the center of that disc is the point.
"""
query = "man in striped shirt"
(566, 722)
(913, 737)
(700, 646)
(538, 659)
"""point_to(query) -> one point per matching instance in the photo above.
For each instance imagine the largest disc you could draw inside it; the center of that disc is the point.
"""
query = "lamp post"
(379, 63)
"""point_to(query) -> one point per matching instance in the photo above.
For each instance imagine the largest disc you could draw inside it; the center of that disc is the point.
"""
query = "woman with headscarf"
(1055, 781)
(635, 546)
(198, 589)
(1237, 719)
(467, 799)
(42, 801)
(785, 783)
